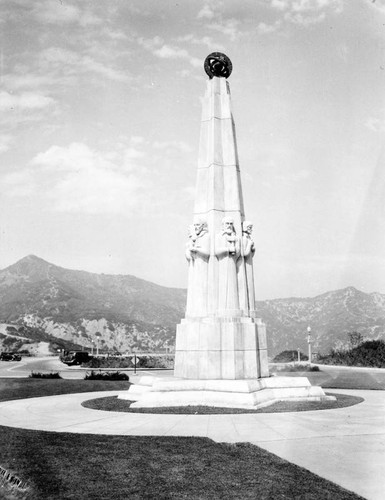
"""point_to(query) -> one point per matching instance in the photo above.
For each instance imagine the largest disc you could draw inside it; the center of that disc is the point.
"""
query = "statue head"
(228, 225)
(199, 225)
(247, 227)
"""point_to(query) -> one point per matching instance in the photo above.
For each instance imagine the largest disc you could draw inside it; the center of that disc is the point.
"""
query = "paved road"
(346, 445)
(22, 369)
(330, 377)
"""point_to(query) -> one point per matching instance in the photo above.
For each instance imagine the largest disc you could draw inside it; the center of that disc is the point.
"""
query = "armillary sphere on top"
(218, 64)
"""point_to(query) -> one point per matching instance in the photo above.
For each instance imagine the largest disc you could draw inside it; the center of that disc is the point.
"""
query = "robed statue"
(197, 255)
(227, 251)
(245, 270)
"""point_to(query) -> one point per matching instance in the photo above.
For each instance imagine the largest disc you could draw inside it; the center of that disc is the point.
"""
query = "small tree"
(355, 339)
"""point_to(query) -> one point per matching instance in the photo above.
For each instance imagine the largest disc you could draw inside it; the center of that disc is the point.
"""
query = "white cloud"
(379, 5)
(293, 177)
(206, 12)
(137, 139)
(18, 184)
(24, 101)
(72, 64)
(21, 78)
(104, 70)
(115, 34)
(168, 52)
(304, 20)
(133, 154)
(304, 12)
(205, 40)
(314, 5)
(228, 27)
(265, 29)
(375, 124)
(150, 43)
(164, 51)
(181, 146)
(280, 4)
(5, 142)
(63, 12)
(90, 181)
(184, 73)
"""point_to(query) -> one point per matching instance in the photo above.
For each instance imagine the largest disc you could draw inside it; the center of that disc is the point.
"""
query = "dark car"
(10, 356)
(75, 357)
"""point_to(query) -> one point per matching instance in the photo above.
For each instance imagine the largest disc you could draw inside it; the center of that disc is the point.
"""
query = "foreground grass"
(58, 466)
(62, 466)
(112, 403)
(21, 388)
(340, 378)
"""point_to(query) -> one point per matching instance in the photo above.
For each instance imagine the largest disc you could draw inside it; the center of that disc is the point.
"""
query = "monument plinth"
(220, 352)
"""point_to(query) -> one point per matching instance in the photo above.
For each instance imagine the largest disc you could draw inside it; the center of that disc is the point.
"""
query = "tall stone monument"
(220, 353)
(220, 337)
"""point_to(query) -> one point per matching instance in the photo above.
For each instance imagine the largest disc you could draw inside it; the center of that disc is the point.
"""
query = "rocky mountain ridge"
(41, 301)
(120, 312)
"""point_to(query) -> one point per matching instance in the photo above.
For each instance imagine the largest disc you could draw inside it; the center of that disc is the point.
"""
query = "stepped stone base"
(221, 348)
(153, 392)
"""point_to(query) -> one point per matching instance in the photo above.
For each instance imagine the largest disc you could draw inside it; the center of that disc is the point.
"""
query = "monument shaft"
(220, 337)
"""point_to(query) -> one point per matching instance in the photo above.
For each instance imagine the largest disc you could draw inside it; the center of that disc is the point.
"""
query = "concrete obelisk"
(220, 337)
(220, 352)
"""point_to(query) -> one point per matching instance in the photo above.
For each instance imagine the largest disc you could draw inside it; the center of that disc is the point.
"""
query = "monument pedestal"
(154, 392)
(225, 348)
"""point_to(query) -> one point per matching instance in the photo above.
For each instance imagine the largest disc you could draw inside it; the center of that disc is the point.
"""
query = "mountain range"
(42, 302)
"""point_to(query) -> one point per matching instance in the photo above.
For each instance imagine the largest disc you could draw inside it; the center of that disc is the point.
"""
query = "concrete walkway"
(346, 446)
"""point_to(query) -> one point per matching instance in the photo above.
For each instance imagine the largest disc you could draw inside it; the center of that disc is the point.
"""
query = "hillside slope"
(46, 302)
(330, 315)
(74, 305)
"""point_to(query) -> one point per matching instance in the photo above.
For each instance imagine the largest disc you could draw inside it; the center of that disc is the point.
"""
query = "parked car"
(10, 356)
(75, 357)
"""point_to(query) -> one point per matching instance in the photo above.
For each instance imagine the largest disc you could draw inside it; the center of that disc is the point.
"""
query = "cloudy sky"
(100, 117)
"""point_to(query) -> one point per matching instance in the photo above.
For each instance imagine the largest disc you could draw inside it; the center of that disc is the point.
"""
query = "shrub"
(368, 354)
(155, 361)
(143, 361)
(93, 375)
(44, 375)
(110, 362)
(298, 368)
(289, 357)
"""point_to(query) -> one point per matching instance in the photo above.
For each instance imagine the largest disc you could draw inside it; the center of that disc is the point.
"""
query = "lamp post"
(309, 342)
(97, 335)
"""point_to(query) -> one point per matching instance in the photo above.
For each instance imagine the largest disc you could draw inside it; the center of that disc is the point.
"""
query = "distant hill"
(73, 305)
(330, 315)
(41, 301)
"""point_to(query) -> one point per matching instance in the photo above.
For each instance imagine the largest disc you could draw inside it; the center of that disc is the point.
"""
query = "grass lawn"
(341, 378)
(112, 403)
(20, 388)
(60, 466)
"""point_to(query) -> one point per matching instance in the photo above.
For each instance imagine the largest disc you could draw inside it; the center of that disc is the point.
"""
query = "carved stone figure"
(227, 251)
(247, 251)
(197, 255)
